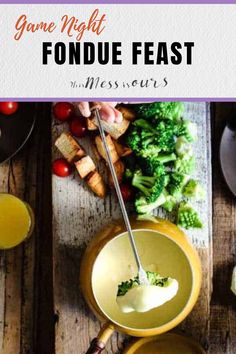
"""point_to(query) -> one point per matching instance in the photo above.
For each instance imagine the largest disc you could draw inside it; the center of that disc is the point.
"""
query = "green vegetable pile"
(163, 161)
(153, 277)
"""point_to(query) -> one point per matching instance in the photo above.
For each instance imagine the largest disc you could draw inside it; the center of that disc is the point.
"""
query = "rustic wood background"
(78, 215)
(29, 321)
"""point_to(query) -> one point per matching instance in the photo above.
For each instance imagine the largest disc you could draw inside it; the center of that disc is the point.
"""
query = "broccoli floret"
(185, 165)
(161, 140)
(167, 180)
(154, 165)
(161, 135)
(161, 110)
(151, 166)
(153, 145)
(151, 150)
(142, 123)
(140, 140)
(150, 186)
(177, 183)
(130, 162)
(133, 140)
(183, 148)
(165, 158)
(156, 279)
(127, 285)
(193, 189)
(165, 136)
(170, 202)
(143, 206)
(153, 277)
(145, 139)
(187, 217)
(148, 217)
(128, 173)
(188, 129)
(140, 135)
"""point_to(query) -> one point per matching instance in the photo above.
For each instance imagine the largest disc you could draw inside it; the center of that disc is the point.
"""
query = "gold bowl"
(108, 260)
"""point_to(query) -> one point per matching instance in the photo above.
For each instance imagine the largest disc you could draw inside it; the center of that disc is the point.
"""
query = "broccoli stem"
(142, 123)
(143, 183)
(144, 207)
(166, 158)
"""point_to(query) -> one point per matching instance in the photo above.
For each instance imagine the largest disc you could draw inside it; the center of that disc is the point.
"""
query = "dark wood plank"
(223, 305)
(43, 336)
(14, 182)
(26, 310)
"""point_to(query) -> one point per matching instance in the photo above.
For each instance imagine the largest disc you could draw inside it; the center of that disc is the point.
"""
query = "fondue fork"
(141, 272)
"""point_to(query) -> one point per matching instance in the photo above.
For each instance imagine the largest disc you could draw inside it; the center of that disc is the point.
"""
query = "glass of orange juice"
(16, 221)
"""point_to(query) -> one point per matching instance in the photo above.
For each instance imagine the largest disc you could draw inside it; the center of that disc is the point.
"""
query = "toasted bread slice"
(120, 170)
(96, 184)
(114, 129)
(97, 156)
(127, 113)
(69, 147)
(91, 125)
(111, 147)
(122, 150)
(84, 166)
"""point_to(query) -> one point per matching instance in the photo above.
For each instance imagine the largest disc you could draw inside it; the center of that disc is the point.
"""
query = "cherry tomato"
(63, 111)
(8, 108)
(127, 192)
(61, 168)
(78, 127)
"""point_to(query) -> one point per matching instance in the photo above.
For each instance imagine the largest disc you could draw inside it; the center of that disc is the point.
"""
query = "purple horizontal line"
(99, 2)
(119, 99)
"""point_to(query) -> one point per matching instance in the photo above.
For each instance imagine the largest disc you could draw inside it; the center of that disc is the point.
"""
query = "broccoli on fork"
(153, 277)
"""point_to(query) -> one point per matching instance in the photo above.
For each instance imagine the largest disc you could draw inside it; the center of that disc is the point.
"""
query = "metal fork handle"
(118, 191)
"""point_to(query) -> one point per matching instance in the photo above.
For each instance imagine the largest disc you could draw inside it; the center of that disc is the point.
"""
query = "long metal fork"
(141, 272)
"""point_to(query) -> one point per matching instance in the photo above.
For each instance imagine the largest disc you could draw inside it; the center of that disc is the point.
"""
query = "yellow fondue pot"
(109, 260)
(167, 343)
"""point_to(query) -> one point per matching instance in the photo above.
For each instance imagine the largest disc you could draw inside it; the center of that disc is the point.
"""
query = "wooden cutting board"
(78, 215)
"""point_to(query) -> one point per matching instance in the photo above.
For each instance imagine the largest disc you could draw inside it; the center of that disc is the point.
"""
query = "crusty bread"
(127, 113)
(120, 170)
(84, 166)
(69, 147)
(96, 184)
(111, 147)
(114, 129)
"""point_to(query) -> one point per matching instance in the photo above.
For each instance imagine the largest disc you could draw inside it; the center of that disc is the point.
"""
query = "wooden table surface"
(28, 320)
